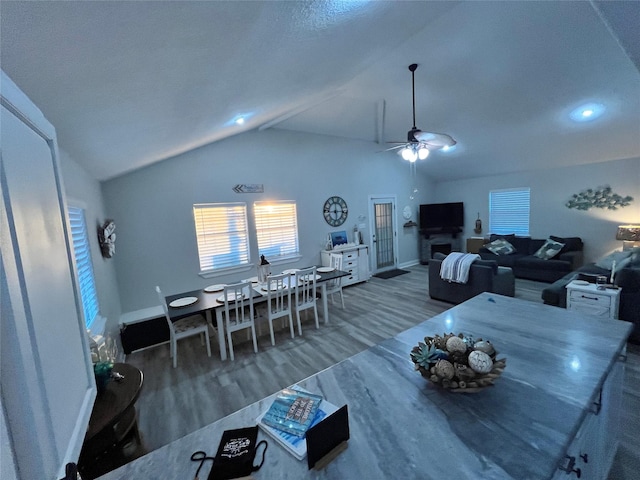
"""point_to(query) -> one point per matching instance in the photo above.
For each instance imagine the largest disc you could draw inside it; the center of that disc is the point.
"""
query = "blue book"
(295, 445)
(292, 411)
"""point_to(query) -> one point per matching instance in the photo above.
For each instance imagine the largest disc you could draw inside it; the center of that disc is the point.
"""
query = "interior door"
(384, 234)
(47, 378)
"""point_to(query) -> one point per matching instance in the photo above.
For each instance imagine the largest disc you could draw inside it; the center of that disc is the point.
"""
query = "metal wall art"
(602, 197)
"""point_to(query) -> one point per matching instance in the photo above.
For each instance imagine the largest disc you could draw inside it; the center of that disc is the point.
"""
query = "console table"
(555, 402)
(355, 260)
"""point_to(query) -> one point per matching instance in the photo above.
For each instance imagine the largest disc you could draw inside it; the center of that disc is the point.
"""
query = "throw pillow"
(571, 244)
(500, 247)
(618, 256)
(623, 263)
(549, 250)
(508, 237)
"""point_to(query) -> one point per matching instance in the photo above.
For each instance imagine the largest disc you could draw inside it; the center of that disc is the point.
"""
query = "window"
(509, 211)
(221, 232)
(276, 229)
(82, 254)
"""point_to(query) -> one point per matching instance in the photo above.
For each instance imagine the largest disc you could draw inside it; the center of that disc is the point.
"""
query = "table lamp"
(630, 236)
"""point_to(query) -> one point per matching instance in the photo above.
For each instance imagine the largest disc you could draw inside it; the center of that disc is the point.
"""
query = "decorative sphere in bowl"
(458, 363)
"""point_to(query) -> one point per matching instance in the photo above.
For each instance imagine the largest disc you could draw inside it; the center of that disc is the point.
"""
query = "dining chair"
(305, 294)
(183, 328)
(335, 286)
(279, 288)
(238, 312)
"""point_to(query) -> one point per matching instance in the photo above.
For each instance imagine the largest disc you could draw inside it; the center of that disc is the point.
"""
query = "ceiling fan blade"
(436, 140)
(394, 148)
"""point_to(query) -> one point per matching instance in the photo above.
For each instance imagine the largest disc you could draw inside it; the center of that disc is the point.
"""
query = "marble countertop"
(404, 427)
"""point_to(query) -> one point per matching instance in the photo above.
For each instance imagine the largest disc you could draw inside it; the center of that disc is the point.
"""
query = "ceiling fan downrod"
(412, 69)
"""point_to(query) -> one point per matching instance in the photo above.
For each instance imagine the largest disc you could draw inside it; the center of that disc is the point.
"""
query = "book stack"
(291, 414)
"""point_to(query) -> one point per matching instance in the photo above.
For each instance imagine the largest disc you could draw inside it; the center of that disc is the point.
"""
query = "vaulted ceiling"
(127, 84)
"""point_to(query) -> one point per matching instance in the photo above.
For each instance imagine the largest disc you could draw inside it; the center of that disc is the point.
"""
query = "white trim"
(98, 325)
(141, 315)
(408, 264)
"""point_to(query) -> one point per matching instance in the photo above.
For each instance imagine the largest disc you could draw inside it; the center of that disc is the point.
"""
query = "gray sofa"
(526, 265)
(484, 276)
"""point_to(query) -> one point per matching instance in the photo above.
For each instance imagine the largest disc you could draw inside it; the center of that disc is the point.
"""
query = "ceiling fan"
(419, 143)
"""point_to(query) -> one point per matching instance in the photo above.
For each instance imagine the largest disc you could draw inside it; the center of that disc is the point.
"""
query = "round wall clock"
(335, 211)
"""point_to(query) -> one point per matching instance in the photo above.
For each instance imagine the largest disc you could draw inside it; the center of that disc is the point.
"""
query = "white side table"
(589, 300)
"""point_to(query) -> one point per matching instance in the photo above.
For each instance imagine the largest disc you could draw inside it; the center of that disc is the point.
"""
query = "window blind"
(276, 228)
(84, 265)
(222, 236)
(509, 211)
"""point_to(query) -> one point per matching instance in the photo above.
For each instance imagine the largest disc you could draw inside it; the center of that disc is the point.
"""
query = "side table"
(112, 425)
(587, 298)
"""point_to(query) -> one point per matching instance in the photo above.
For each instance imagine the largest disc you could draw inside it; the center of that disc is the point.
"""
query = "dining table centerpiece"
(458, 363)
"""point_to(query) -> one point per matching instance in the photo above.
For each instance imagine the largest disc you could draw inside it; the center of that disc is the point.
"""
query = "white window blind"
(509, 211)
(221, 232)
(276, 229)
(84, 265)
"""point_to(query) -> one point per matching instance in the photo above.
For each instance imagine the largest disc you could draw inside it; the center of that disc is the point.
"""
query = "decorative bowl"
(458, 363)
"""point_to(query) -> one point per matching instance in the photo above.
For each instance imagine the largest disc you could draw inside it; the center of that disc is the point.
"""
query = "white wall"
(550, 190)
(84, 191)
(152, 207)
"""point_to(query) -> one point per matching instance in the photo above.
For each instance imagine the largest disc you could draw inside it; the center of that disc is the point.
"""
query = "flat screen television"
(441, 215)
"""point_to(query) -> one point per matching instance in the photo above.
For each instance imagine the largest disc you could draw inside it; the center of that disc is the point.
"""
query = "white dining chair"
(305, 294)
(183, 328)
(279, 303)
(238, 312)
(335, 286)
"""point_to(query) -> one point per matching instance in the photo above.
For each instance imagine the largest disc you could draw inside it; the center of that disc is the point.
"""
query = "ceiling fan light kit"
(419, 143)
(414, 152)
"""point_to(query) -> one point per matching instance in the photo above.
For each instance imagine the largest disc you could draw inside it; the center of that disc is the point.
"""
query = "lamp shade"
(630, 233)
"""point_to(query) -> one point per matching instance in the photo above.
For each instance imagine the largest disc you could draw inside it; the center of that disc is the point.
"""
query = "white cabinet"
(355, 260)
(591, 453)
(591, 301)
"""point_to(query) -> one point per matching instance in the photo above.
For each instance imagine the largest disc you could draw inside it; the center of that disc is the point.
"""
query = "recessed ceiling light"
(587, 112)
(447, 149)
(240, 119)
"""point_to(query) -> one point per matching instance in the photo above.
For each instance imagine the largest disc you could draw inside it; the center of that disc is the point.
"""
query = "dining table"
(209, 300)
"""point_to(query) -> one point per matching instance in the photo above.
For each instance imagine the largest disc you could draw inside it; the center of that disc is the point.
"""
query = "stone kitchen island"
(555, 405)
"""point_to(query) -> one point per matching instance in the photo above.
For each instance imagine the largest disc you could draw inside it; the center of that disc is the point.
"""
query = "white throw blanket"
(455, 268)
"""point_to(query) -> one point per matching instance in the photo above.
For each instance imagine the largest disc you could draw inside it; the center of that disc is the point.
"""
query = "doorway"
(384, 238)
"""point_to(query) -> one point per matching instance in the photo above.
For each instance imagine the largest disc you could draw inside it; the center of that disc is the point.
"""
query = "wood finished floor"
(201, 390)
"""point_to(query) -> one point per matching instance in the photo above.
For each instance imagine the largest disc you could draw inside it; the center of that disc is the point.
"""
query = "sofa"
(484, 276)
(627, 278)
(525, 264)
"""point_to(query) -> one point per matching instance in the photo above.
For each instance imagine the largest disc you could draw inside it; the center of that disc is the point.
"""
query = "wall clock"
(406, 213)
(335, 211)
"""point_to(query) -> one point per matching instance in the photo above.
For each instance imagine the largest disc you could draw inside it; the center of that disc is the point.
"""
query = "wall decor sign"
(249, 188)
(601, 197)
